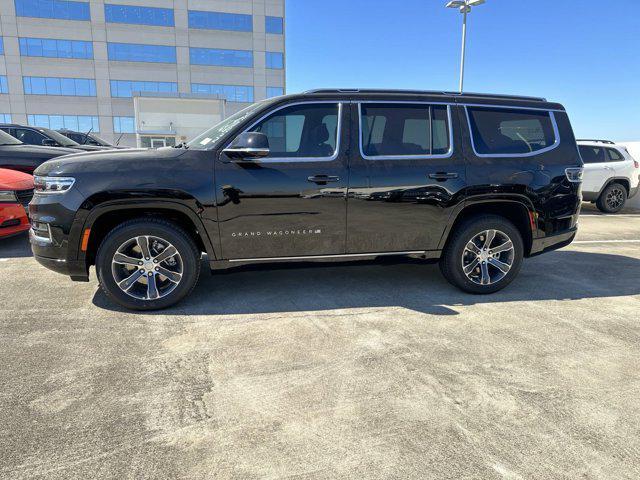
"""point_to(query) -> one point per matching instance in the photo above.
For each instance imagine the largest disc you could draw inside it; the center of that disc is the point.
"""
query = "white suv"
(611, 175)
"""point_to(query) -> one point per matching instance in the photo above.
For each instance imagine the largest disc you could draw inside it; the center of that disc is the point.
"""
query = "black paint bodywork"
(26, 158)
(252, 210)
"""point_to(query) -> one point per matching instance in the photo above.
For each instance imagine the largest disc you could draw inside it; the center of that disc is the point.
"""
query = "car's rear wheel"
(612, 199)
(147, 264)
(483, 255)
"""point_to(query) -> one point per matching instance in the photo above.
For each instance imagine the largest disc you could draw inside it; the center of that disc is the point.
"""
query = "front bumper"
(13, 219)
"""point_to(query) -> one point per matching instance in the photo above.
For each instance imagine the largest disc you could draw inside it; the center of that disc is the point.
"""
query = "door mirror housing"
(248, 145)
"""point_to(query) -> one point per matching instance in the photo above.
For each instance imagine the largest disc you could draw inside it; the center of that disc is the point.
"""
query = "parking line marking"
(607, 241)
(611, 215)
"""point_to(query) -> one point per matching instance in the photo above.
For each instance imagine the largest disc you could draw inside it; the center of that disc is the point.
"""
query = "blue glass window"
(274, 60)
(220, 21)
(45, 47)
(232, 93)
(4, 85)
(274, 91)
(225, 58)
(139, 15)
(125, 88)
(1, 46)
(77, 87)
(133, 52)
(59, 9)
(274, 25)
(5, 117)
(79, 123)
(124, 125)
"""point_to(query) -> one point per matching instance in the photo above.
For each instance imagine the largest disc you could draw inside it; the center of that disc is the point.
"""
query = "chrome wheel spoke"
(488, 239)
(143, 243)
(470, 267)
(152, 287)
(172, 276)
(123, 259)
(508, 245)
(484, 269)
(473, 248)
(168, 252)
(503, 267)
(128, 282)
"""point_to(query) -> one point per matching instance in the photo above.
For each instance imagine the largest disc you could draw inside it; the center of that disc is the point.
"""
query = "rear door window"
(403, 130)
(510, 132)
(591, 154)
(29, 137)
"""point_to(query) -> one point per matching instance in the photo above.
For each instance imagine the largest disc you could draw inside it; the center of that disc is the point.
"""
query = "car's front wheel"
(612, 199)
(483, 255)
(147, 264)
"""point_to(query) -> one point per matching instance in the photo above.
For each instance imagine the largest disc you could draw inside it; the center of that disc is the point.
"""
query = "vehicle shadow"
(412, 284)
(15, 247)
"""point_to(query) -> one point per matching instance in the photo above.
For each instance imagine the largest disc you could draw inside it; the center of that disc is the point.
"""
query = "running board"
(422, 253)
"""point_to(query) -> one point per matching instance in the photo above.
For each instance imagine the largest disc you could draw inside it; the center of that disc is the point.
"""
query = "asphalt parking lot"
(379, 370)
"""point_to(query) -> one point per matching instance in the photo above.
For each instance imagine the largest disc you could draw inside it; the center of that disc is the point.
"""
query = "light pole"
(465, 7)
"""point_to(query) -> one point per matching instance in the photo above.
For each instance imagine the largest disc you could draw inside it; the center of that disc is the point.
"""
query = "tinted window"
(125, 88)
(225, 58)
(46, 47)
(5, 138)
(30, 137)
(274, 25)
(220, 21)
(81, 87)
(132, 52)
(614, 155)
(301, 131)
(139, 15)
(591, 154)
(59, 9)
(401, 129)
(502, 131)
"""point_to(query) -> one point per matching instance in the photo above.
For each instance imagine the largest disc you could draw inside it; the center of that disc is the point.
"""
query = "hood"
(90, 148)
(37, 150)
(107, 161)
(14, 180)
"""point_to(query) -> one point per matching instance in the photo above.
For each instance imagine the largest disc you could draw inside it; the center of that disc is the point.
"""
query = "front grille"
(24, 197)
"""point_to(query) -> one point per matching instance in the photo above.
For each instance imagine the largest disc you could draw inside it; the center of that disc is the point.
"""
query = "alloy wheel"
(488, 257)
(147, 267)
(615, 198)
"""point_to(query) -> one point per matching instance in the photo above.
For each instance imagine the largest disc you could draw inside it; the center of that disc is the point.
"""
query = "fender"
(507, 198)
(141, 203)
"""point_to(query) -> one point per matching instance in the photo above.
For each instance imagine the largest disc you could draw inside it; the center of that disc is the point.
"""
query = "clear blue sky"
(584, 54)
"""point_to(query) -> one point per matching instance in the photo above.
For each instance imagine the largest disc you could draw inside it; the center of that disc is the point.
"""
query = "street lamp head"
(464, 5)
(456, 4)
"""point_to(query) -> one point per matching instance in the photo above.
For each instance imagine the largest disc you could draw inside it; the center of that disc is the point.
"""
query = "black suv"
(45, 137)
(477, 181)
(15, 155)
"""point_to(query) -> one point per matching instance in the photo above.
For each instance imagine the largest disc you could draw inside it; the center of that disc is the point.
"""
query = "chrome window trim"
(448, 154)
(555, 144)
(298, 159)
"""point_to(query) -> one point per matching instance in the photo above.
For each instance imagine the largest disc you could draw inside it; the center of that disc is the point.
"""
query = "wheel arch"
(103, 218)
(624, 181)
(519, 211)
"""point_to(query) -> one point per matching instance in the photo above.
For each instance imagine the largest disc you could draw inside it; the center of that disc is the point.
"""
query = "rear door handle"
(443, 176)
(323, 179)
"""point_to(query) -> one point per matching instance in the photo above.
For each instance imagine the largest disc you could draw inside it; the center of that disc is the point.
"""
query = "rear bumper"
(634, 191)
(552, 242)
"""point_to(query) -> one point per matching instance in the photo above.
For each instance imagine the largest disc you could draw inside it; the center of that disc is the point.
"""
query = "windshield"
(210, 137)
(93, 140)
(58, 137)
(6, 139)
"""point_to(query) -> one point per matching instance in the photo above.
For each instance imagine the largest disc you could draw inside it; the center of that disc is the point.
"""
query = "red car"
(16, 190)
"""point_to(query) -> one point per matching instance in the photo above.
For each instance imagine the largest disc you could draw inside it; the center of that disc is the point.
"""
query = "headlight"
(52, 184)
(8, 196)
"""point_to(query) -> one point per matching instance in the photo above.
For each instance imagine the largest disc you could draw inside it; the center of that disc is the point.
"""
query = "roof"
(423, 92)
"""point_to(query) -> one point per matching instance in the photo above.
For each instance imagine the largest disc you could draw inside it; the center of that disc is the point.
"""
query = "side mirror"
(47, 142)
(248, 145)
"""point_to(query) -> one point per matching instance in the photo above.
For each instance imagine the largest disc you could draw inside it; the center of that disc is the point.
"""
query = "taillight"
(636, 164)
(574, 174)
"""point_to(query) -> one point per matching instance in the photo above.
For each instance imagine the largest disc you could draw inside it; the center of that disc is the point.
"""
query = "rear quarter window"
(511, 132)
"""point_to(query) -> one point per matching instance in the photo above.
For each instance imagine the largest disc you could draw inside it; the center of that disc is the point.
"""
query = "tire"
(613, 198)
(457, 255)
(131, 270)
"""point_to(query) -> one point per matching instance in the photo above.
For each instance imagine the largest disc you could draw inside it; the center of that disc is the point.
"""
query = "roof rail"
(423, 92)
(608, 142)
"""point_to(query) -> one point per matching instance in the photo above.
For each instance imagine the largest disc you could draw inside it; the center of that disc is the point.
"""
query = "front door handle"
(443, 176)
(323, 179)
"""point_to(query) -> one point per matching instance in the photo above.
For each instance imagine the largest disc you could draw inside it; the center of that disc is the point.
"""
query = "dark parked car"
(15, 155)
(477, 181)
(45, 137)
(87, 138)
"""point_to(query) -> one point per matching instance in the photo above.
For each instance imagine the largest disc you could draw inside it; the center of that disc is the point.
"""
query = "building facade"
(78, 64)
